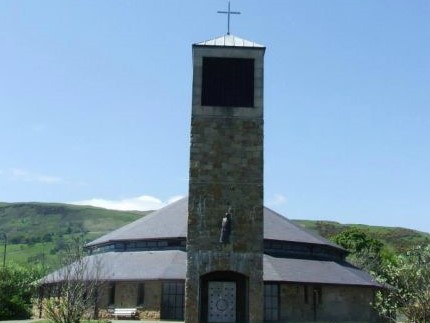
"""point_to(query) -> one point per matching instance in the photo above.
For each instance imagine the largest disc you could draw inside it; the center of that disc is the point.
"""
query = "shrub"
(17, 285)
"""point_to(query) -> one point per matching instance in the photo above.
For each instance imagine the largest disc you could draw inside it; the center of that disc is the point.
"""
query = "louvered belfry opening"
(228, 82)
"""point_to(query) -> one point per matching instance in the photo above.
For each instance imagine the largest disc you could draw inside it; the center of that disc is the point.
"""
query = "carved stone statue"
(225, 228)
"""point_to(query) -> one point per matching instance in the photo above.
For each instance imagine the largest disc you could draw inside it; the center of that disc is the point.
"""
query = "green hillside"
(38, 231)
(397, 239)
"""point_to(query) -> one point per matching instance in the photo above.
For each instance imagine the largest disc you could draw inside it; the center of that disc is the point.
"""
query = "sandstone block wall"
(338, 304)
(126, 296)
(226, 171)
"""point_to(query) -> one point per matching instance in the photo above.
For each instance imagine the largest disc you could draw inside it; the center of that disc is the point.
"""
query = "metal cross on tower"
(229, 12)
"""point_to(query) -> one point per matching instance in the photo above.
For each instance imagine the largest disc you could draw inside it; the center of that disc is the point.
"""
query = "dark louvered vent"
(228, 82)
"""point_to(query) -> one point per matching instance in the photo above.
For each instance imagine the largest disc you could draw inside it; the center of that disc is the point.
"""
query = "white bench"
(125, 312)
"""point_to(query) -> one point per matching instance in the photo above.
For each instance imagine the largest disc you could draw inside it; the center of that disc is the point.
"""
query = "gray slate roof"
(171, 222)
(171, 264)
(278, 227)
(229, 41)
(138, 265)
(168, 222)
(314, 271)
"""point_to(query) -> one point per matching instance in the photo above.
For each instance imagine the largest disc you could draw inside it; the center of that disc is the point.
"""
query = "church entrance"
(224, 297)
(221, 301)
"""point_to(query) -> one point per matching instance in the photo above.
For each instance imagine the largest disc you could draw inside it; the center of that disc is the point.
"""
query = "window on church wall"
(172, 301)
(111, 294)
(285, 249)
(140, 294)
(322, 251)
(131, 246)
(317, 294)
(227, 82)
(96, 294)
(101, 249)
(50, 291)
(313, 293)
(305, 294)
(277, 245)
(271, 302)
(175, 243)
(152, 244)
(148, 245)
(119, 246)
(298, 248)
(162, 243)
(85, 295)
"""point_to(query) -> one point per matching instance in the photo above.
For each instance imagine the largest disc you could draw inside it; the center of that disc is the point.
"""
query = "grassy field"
(37, 232)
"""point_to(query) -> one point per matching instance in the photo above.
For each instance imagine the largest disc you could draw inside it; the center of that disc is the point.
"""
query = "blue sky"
(95, 101)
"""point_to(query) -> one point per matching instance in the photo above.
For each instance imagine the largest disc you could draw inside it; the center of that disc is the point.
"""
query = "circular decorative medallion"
(221, 305)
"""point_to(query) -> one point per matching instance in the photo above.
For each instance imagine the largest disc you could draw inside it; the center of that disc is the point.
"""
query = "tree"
(365, 251)
(17, 285)
(73, 289)
(408, 295)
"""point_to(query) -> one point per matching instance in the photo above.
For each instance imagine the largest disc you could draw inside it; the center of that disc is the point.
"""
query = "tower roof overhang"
(230, 41)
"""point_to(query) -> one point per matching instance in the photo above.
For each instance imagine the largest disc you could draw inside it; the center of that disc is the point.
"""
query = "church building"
(219, 255)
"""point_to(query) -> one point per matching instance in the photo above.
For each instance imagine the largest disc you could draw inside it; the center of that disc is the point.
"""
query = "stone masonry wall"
(150, 309)
(293, 307)
(226, 171)
(347, 303)
(126, 297)
(338, 304)
(125, 294)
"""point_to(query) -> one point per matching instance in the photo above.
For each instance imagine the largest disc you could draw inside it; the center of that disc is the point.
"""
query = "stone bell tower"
(225, 221)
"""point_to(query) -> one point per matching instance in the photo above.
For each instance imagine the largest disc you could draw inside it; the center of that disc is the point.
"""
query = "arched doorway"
(223, 297)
